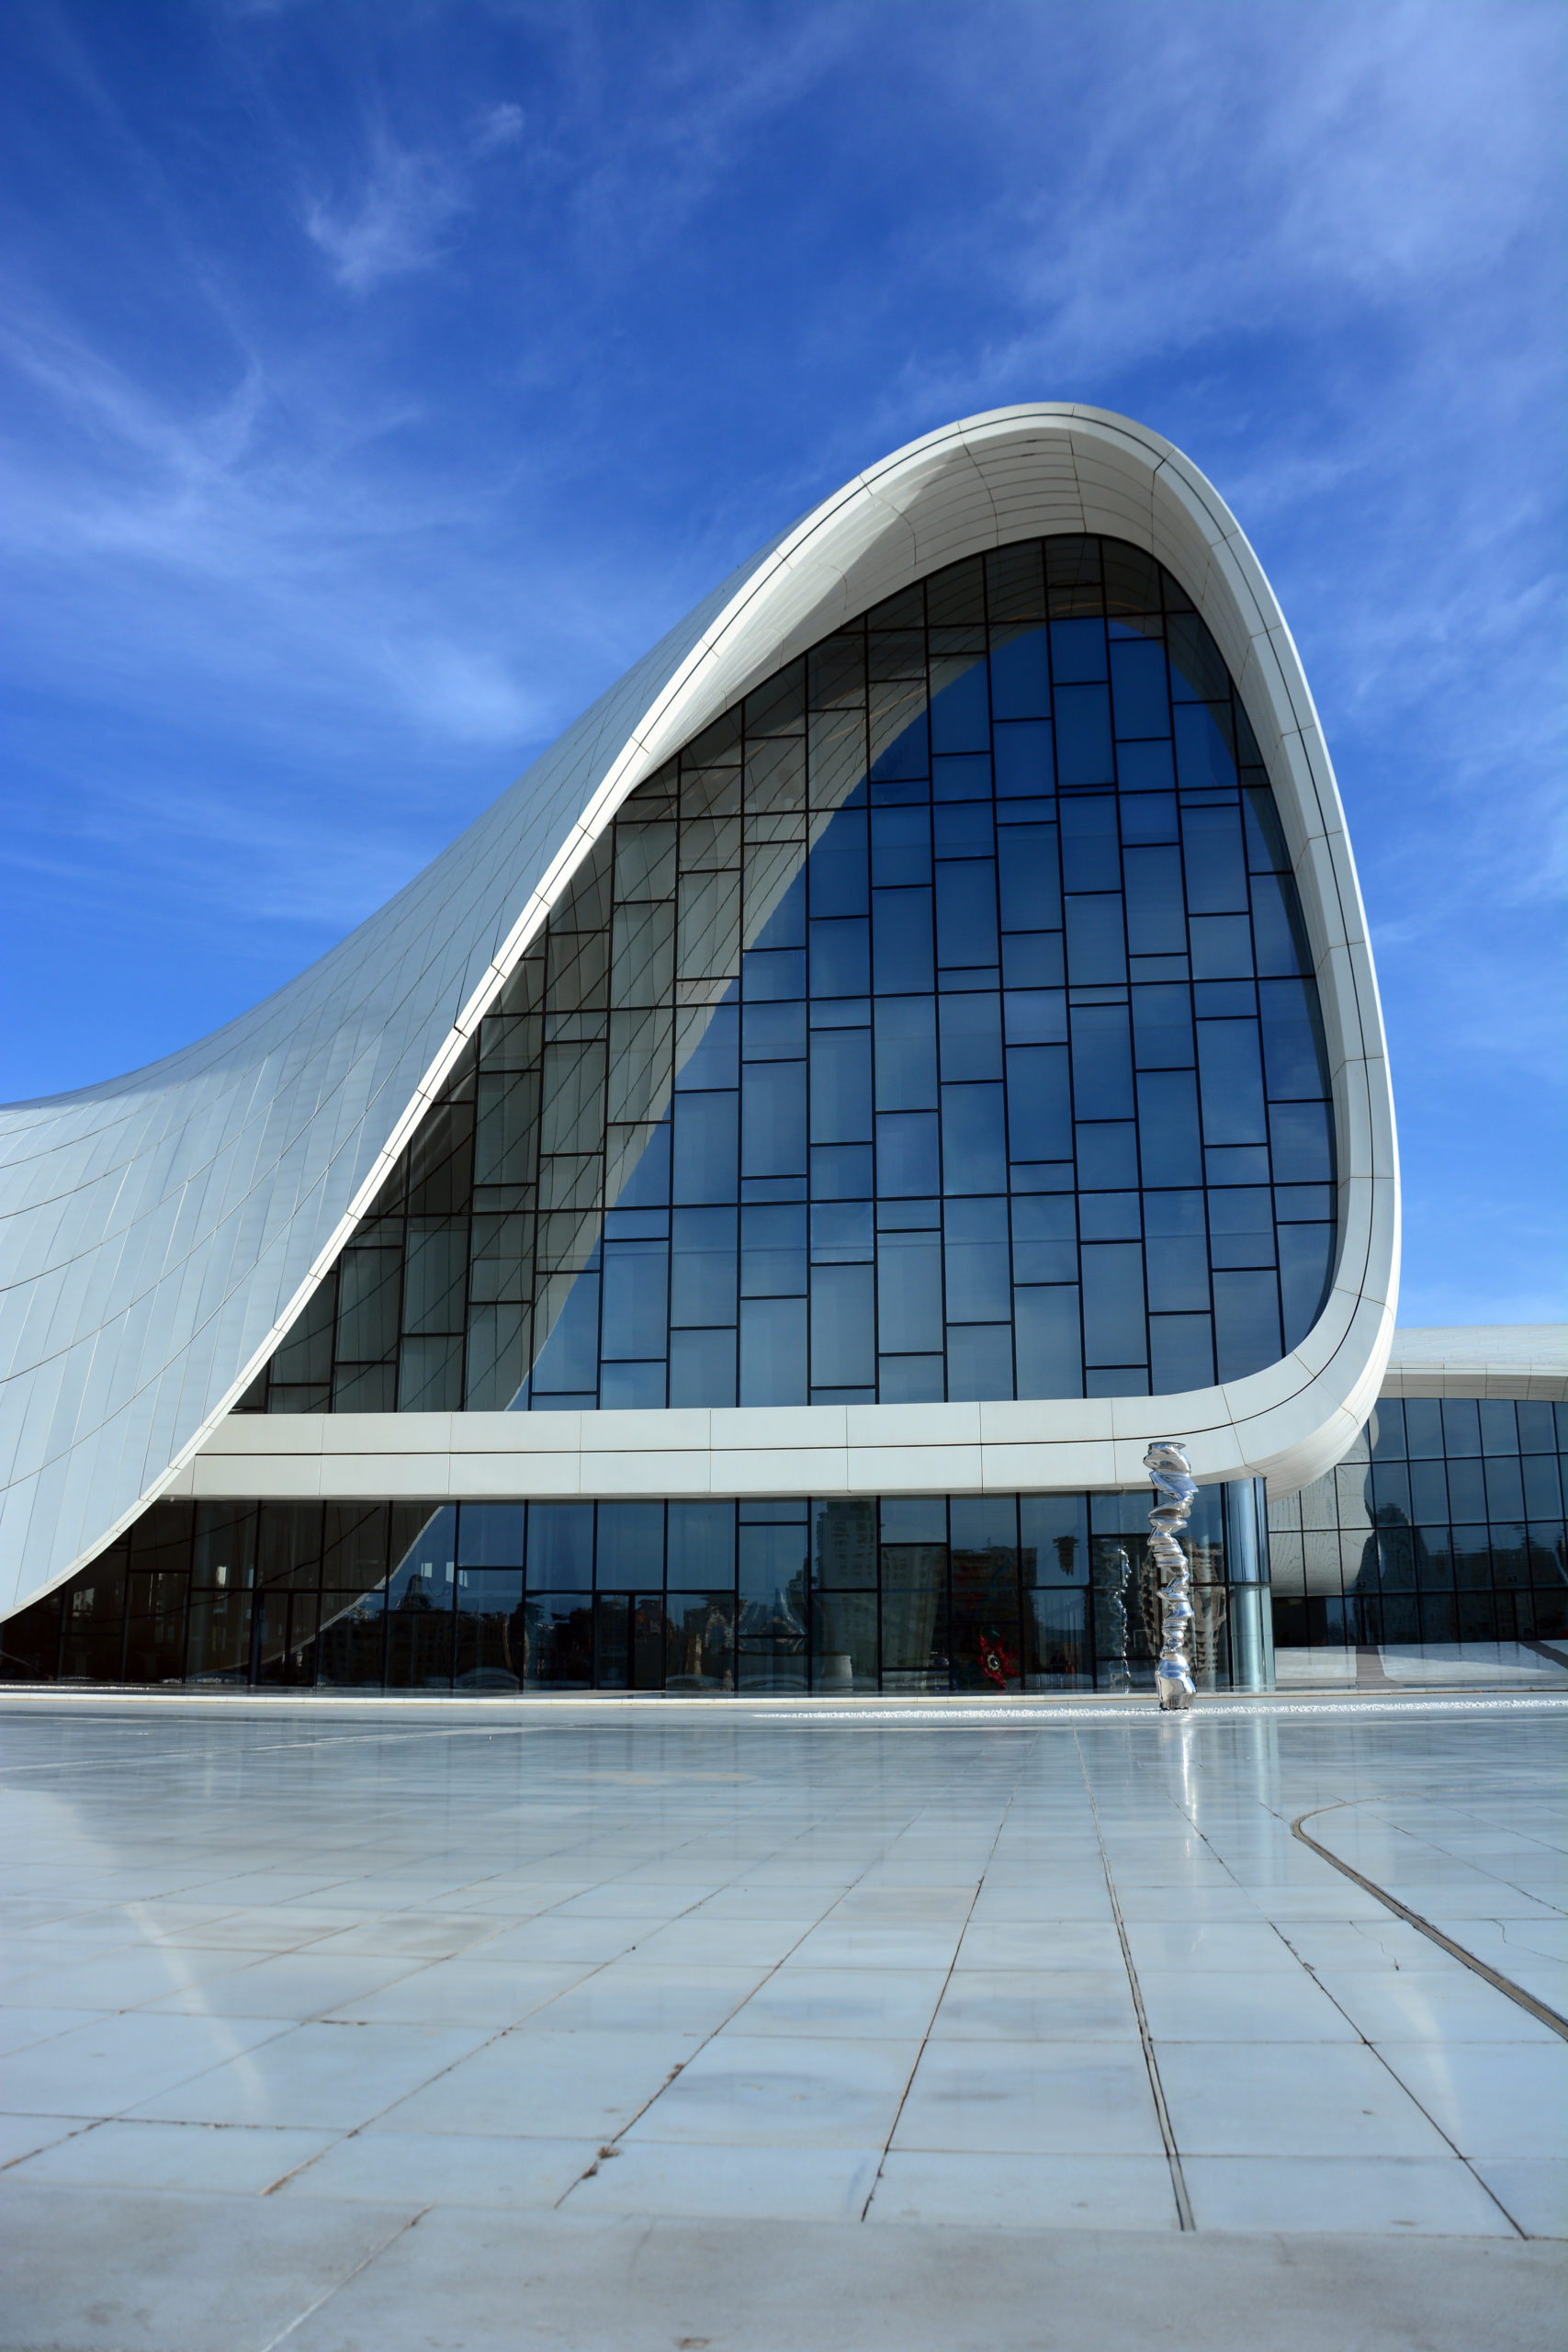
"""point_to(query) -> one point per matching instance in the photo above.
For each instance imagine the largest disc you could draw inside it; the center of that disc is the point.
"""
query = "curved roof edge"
(163, 1232)
(1501, 1359)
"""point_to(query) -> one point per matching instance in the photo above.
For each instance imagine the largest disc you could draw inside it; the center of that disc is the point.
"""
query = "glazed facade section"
(938, 1026)
(1444, 1523)
(1001, 1593)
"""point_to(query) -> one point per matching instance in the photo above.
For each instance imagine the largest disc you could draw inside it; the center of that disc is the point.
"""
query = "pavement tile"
(950, 2190)
(730, 2182)
(1041, 2097)
(111, 2062)
(1495, 2100)
(316, 2076)
(534, 2084)
(443, 2168)
(236, 2158)
(1533, 2190)
(1432, 2195)
(774, 2090)
(1259, 2098)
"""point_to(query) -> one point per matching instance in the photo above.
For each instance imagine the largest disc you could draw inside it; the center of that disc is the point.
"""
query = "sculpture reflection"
(1171, 1475)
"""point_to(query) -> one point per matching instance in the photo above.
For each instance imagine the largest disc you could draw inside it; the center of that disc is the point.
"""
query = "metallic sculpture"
(1170, 1473)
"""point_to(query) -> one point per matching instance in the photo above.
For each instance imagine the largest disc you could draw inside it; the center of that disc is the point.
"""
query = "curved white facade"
(159, 1233)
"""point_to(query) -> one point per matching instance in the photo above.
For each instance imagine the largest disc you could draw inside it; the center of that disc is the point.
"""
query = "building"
(737, 1219)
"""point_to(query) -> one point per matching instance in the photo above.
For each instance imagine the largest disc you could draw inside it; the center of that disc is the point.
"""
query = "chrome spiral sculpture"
(1170, 1474)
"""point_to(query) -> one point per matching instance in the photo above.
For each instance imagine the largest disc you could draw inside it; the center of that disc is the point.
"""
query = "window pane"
(961, 714)
(1140, 691)
(1157, 918)
(1078, 650)
(1212, 850)
(1300, 1148)
(1022, 760)
(561, 1547)
(1091, 854)
(906, 1053)
(1205, 756)
(773, 1119)
(1181, 1353)
(901, 846)
(1307, 1263)
(977, 1268)
(973, 1139)
(636, 1315)
(1278, 933)
(1247, 1323)
(703, 1266)
(979, 1359)
(1231, 1082)
(559, 1641)
(702, 1544)
(1039, 1110)
(966, 912)
(910, 1293)
(489, 1535)
(369, 1290)
(1102, 1062)
(843, 1336)
(1168, 1128)
(773, 1351)
(568, 1363)
(701, 1368)
(902, 921)
(843, 1642)
(773, 1252)
(841, 1086)
(1097, 953)
(630, 1555)
(841, 957)
(705, 1137)
(914, 1617)
(1021, 682)
(1029, 878)
(701, 1643)
(837, 870)
(971, 1031)
(906, 1159)
(1050, 1354)
(430, 1375)
(1083, 736)
(1113, 1303)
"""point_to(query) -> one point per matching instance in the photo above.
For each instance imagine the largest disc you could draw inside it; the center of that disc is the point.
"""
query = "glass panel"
(701, 1643)
(491, 1632)
(558, 1636)
(773, 1351)
(560, 1547)
(914, 1617)
(492, 1535)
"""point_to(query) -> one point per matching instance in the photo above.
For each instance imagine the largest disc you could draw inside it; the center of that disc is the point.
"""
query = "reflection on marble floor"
(732, 1965)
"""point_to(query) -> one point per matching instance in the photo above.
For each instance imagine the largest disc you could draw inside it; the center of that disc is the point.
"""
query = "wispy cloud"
(394, 222)
(502, 125)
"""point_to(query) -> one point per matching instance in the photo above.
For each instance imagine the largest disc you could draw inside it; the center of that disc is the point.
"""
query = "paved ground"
(622, 2027)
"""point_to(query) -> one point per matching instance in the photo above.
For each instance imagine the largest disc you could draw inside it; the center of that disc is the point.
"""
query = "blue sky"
(379, 379)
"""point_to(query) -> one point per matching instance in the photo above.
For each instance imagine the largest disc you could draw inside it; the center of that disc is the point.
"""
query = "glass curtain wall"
(1444, 1523)
(939, 1024)
(995, 1593)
